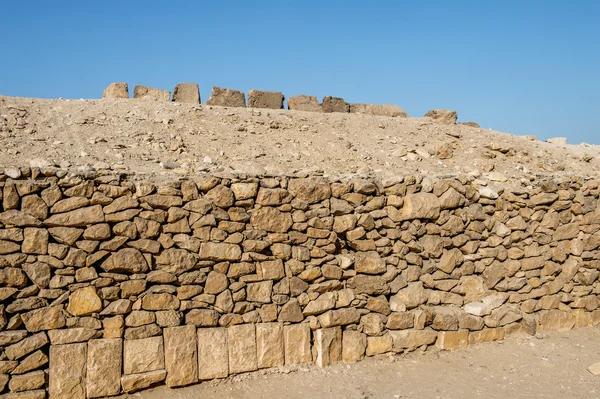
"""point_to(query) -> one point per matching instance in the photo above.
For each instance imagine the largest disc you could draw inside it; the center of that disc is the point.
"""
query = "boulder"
(354, 345)
(265, 99)
(116, 90)
(186, 93)
(442, 116)
(334, 104)
(226, 98)
(84, 301)
(304, 103)
(151, 93)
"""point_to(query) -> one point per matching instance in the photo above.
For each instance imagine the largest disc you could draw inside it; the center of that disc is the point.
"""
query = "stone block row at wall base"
(98, 266)
(227, 98)
(151, 93)
(183, 92)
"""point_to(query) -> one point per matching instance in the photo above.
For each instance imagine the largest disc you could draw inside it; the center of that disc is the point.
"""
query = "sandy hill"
(165, 138)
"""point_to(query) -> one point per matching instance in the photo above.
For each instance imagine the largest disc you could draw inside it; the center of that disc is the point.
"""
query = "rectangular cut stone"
(135, 382)
(37, 394)
(104, 364)
(181, 355)
(328, 342)
(452, 339)
(67, 371)
(487, 335)
(213, 359)
(269, 345)
(296, 338)
(241, 340)
(354, 344)
(143, 355)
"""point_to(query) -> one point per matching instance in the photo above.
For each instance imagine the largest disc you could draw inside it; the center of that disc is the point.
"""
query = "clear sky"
(519, 66)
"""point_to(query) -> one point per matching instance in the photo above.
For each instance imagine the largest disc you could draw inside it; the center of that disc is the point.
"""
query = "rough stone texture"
(151, 93)
(354, 345)
(241, 341)
(227, 98)
(213, 355)
(452, 339)
(84, 301)
(269, 345)
(265, 99)
(68, 371)
(442, 116)
(304, 103)
(186, 93)
(104, 363)
(181, 355)
(328, 343)
(334, 104)
(116, 90)
(378, 110)
(135, 382)
(296, 339)
(143, 355)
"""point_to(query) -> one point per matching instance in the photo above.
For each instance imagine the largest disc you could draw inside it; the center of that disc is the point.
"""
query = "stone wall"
(110, 284)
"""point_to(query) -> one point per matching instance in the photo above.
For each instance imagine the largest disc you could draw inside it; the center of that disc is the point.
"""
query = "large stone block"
(151, 93)
(334, 104)
(143, 355)
(84, 301)
(213, 357)
(116, 90)
(412, 339)
(328, 343)
(241, 340)
(24, 346)
(420, 206)
(269, 345)
(378, 110)
(181, 355)
(304, 103)
(186, 93)
(104, 364)
(265, 99)
(27, 382)
(135, 382)
(296, 339)
(452, 339)
(442, 116)
(354, 345)
(226, 98)
(68, 371)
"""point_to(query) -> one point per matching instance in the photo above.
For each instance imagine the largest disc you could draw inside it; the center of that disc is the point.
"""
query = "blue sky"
(524, 67)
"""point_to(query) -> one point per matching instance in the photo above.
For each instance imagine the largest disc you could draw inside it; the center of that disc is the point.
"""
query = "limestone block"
(24, 346)
(27, 382)
(328, 342)
(68, 371)
(378, 110)
(442, 116)
(143, 355)
(35, 241)
(334, 104)
(487, 335)
(31, 362)
(44, 319)
(72, 335)
(213, 357)
(151, 93)
(37, 394)
(452, 339)
(296, 339)
(116, 90)
(379, 345)
(135, 382)
(265, 99)
(420, 206)
(241, 340)
(186, 93)
(412, 339)
(84, 301)
(354, 345)
(269, 345)
(104, 364)
(304, 103)
(181, 356)
(226, 98)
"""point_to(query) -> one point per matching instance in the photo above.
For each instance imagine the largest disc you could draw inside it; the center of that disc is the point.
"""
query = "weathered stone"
(35, 242)
(8, 247)
(371, 285)
(128, 260)
(181, 356)
(487, 335)
(116, 90)
(151, 93)
(220, 251)
(175, 261)
(27, 382)
(226, 98)
(410, 297)
(339, 317)
(159, 201)
(304, 103)
(160, 301)
(84, 301)
(67, 371)
(369, 263)
(323, 303)
(77, 218)
(65, 235)
(24, 346)
(136, 382)
(143, 355)
(328, 343)
(213, 356)
(39, 273)
(442, 116)
(310, 190)
(265, 99)
(18, 219)
(354, 345)
(31, 362)
(202, 318)
(271, 219)
(48, 318)
(104, 363)
(378, 110)
(412, 339)
(334, 104)
(186, 93)
(259, 292)
(379, 345)
(241, 340)
(291, 312)
(244, 191)
(452, 339)
(420, 206)
(269, 345)
(297, 343)
(72, 335)
(400, 321)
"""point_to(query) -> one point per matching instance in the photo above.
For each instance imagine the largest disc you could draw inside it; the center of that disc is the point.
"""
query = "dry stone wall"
(110, 284)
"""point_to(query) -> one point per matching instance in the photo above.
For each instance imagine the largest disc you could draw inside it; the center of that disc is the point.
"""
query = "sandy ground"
(548, 366)
(163, 138)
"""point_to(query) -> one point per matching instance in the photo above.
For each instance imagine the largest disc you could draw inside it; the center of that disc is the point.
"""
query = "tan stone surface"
(328, 343)
(116, 90)
(354, 345)
(213, 355)
(297, 343)
(68, 371)
(181, 355)
(151, 93)
(452, 339)
(143, 355)
(104, 365)
(241, 341)
(186, 93)
(84, 301)
(270, 347)
(136, 382)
